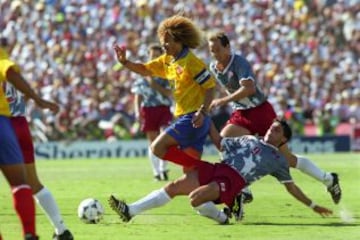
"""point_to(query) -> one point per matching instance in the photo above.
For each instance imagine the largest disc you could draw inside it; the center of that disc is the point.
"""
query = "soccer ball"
(90, 210)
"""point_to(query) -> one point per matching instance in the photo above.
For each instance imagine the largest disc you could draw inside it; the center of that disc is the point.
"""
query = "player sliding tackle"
(246, 159)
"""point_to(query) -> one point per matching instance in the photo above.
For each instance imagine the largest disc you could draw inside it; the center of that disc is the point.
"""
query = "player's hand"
(198, 119)
(47, 105)
(323, 211)
(217, 103)
(120, 51)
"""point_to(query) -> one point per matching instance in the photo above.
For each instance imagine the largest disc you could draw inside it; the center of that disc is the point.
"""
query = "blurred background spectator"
(304, 53)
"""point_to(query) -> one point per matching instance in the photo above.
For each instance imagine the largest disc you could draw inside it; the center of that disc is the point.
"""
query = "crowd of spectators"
(305, 55)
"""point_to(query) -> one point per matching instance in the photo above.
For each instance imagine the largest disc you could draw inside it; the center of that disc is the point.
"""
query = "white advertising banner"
(98, 149)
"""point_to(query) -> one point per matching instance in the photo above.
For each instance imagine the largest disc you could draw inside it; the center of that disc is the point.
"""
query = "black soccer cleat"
(165, 175)
(157, 178)
(247, 197)
(334, 189)
(66, 235)
(120, 207)
(238, 207)
(228, 214)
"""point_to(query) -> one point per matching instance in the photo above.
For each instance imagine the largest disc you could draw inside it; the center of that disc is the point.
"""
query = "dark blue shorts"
(10, 152)
(186, 135)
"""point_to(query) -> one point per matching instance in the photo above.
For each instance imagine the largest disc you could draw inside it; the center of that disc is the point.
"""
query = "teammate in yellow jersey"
(14, 89)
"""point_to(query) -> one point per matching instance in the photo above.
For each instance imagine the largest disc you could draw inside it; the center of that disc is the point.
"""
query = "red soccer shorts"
(154, 118)
(257, 120)
(230, 182)
(22, 131)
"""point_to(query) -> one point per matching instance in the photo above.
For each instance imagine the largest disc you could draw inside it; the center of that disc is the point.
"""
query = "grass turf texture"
(274, 214)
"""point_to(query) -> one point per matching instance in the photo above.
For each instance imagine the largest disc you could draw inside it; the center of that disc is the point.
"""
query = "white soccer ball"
(90, 210)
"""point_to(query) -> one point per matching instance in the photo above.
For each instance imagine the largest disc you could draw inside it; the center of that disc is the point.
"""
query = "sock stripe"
(15, 189)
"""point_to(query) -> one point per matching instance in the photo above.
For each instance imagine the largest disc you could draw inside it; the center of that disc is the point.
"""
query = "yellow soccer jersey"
(188, 76)
(5, 64)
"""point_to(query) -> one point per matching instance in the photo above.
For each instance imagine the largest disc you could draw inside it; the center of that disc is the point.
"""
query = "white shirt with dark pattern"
(237, 70)
(151, 97)
(253, 159)
(15, 99)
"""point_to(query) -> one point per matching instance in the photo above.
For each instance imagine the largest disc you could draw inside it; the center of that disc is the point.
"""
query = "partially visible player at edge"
(252, 113)
(192, 86)
(246, 159)
(152, 110)
(20, 125)
(11, 159)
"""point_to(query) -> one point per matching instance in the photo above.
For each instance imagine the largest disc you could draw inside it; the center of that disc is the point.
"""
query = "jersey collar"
(227, 67)
(182, 53)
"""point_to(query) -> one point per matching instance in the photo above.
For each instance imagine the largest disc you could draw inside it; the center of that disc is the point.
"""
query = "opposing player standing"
(252, 113)
(152, 109)
(20, 125)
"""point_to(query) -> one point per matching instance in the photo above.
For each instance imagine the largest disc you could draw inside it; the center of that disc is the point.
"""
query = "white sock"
(308, 167)
(162, 165)
(209, 210)
(154, 163)
(47, 202)
(155, 199)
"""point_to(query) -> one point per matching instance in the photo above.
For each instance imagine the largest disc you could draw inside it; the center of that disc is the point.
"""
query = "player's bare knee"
(195, 199)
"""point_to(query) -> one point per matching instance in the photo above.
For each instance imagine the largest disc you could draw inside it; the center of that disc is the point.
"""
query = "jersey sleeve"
(157, 66)
(202, 75)
(244, 70)
(283, 175)
(5, 65)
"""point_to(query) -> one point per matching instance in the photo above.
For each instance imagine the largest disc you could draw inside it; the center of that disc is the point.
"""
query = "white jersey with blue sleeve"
(237, 70)
(253, 159)
(151, 97)
(15, 99)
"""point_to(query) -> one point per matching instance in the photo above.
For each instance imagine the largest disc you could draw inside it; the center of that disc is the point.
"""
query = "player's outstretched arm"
(135, 67)
(162, 90)
(17, 80)
(294, 190)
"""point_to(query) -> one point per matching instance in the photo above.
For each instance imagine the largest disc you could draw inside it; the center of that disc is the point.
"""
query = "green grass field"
(273, 214)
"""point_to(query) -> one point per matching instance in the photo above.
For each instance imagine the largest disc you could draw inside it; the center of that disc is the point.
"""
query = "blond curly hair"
(181, 29)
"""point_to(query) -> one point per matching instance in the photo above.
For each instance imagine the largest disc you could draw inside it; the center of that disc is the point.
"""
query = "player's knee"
(172, 189)
(194, 201)
(158, 149)
(196, 198)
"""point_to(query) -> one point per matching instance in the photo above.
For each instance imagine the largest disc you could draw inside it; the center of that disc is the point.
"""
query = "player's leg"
(12, 166)
(163, 166)
(157, 198)
(41, 194)
(154, 160)
(182, 134)
(47, 202)
(22, 196)
(153, 120)
(164, 122)
(330, 180)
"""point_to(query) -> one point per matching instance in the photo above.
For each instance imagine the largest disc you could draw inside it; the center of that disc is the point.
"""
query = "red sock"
(24, 205)
(177, 156)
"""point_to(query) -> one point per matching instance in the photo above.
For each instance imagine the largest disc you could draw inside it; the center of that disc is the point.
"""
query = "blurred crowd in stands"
(305, 55)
